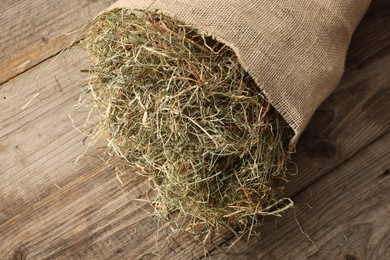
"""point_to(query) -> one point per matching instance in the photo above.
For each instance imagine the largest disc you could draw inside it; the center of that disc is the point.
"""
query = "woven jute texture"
(294, 49)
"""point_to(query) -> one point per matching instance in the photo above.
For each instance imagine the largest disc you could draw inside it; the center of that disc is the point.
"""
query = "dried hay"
(178, 106)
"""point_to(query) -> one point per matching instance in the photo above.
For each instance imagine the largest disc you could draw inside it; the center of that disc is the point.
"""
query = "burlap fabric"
(294, 49)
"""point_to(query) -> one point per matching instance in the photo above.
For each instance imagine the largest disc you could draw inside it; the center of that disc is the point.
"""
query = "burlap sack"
(294, 49)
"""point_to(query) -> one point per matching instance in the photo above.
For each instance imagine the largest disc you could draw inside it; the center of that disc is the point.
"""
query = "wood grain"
(52, 208)
(344, 215)
(39, 144)
(73, 219)
(33, 31)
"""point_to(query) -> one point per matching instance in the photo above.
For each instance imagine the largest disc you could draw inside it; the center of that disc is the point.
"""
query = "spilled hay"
(178, 106)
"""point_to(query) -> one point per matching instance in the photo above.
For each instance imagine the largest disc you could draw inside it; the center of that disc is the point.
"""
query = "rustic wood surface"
(33, 31)
(51, 207)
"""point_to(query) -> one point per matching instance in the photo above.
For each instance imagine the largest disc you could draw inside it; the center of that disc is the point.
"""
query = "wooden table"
(52, 207)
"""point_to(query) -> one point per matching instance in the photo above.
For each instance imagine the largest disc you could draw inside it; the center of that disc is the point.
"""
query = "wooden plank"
(89, 218)
(32, 31)
(38, 144)
(345, 215)
(74, 218)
